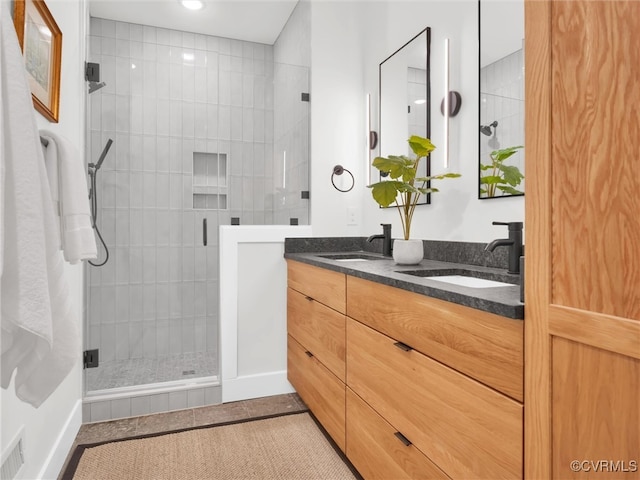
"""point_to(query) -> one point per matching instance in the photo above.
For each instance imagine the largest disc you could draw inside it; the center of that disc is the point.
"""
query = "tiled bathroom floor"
(193, 417)
(143, 371)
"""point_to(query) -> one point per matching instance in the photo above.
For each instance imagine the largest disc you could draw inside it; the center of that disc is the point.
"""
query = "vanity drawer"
(325, 286)
(464, 427)
(320, 389)
(318, 329)
(376, 452)
(482, 345)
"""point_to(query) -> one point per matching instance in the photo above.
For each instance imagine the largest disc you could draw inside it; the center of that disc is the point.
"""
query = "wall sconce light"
(455, 102)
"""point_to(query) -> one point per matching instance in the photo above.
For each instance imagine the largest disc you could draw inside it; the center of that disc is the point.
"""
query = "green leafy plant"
(501, 178)
(404, 187)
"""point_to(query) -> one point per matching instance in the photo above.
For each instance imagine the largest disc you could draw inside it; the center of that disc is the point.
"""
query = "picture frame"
(40, 39)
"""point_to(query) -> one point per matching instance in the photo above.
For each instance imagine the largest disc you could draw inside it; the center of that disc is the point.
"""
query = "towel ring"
(339, 170)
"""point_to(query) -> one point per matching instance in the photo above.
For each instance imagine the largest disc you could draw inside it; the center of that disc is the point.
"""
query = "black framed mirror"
(405, 99)
(501, 94)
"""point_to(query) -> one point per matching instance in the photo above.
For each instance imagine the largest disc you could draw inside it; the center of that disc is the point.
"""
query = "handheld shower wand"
(93, 196)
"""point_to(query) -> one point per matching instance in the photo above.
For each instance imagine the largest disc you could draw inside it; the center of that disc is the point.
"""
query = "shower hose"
(93, 196)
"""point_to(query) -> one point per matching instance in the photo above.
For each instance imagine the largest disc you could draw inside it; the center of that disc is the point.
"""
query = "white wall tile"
(175, 264)
(149, 301)
(122, 341)
(149, 115)
(188, 118)
(148, 34)
(149, 228)
(108, 341)
(136, 303)
(175, 81)
(175, 337)
(162, 264)
(135, 32)
(162, 194)
(135, 340)
(178, 400)
(123, 78)
(140, 405)
(200, 335)
(149, 346)
(148, 266)
(188, 327)
(175, 118)
(108, 46)
(137, 115)
(100, 411)
(122, 227)
(149, 52)
(195, 397)
(159, 403)
(175, 305)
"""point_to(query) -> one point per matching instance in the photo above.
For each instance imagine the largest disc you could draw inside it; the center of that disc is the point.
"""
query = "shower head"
(93, 86)
(486, 129)
(97, 166)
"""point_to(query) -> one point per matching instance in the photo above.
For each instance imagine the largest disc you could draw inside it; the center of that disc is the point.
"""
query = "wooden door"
(582, 299)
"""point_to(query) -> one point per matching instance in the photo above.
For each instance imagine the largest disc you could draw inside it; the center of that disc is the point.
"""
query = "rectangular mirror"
(502, 153)
(405, 99)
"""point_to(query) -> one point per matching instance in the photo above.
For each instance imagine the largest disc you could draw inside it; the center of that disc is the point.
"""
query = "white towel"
(40, 331)
(69, 190)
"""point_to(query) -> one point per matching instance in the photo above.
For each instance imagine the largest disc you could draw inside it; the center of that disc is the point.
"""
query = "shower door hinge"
(90, 358)
(92, 72)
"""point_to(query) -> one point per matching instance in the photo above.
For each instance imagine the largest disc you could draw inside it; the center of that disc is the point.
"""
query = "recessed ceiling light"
(192, 4)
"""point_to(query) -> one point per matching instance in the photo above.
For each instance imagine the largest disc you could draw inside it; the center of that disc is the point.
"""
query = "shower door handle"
(204, 232)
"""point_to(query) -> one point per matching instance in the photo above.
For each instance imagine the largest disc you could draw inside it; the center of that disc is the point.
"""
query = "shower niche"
(210, 181)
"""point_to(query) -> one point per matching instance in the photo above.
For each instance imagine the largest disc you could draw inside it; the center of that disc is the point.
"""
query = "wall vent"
(13, 458)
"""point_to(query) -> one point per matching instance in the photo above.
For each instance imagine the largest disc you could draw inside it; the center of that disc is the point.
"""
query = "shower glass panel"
(206, 130)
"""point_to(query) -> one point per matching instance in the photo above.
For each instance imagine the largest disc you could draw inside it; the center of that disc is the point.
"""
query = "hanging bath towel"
(68, 183)
(40, 331)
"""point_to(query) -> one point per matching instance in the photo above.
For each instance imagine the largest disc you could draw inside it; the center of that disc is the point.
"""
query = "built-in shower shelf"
(210, 180)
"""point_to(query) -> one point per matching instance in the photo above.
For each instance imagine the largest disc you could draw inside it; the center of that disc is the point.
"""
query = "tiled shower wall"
(502, 99)
(169, 94)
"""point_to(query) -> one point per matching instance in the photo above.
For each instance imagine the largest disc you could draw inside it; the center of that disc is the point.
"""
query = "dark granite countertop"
(503, 300)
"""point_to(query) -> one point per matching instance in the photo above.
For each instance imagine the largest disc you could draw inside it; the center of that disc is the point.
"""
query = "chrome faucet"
(386, 239)
(514, 242)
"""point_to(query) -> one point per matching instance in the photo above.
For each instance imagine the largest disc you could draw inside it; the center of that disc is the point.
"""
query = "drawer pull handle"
(403, 439)
(309, 354)
(403, 346)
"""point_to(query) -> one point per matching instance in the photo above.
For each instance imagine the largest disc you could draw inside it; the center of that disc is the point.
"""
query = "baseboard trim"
(63, 444)
(255, 386)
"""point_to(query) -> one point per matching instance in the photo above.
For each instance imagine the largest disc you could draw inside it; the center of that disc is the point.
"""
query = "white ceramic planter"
(407, 252)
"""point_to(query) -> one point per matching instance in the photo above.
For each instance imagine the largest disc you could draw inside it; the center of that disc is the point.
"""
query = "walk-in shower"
(201, 126)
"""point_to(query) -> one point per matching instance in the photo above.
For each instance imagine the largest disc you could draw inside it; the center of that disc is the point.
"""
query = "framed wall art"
(41, 43)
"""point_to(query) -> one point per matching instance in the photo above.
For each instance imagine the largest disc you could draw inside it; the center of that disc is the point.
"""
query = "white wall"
(50, 429)
(349, 40)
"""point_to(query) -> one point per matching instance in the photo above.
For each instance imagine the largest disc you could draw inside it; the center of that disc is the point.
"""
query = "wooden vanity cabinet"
(464, 427)
(316, 300)
(408, 386)
(377, 449)
(479, 344)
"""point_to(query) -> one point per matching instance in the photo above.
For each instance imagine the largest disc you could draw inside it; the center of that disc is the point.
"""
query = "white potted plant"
(404, 189)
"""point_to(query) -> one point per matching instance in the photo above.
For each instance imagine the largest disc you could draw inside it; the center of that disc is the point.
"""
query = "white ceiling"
(251, 20)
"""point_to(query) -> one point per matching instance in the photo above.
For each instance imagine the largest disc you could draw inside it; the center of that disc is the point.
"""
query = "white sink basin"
(472, 282)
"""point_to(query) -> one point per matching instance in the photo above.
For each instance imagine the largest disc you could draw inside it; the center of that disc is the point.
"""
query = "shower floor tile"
(143, 371)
